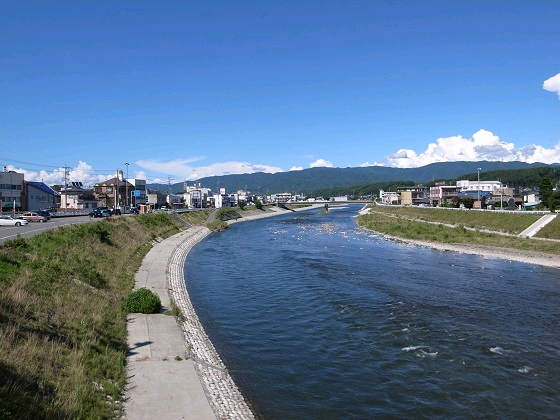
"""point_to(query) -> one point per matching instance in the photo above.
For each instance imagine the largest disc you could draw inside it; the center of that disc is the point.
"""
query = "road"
(34, 228)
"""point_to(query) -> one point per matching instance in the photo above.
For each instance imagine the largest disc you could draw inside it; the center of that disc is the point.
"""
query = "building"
(40, 196)
(442, 194)
(137, 195)
(342, 198)
(12, 190)
(76, 197)
(113, 192)
(281, 198)
(175, 201)
(155, 199)
(196, 196)
(389, 197)
(489, 186)
(413, 195)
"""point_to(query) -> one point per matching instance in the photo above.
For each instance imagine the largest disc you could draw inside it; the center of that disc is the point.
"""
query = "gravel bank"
(529, 257)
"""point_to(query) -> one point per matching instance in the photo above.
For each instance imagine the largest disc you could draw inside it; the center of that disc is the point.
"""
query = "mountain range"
(313, 180)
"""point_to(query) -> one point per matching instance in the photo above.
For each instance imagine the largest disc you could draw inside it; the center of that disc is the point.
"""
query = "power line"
(28, 163)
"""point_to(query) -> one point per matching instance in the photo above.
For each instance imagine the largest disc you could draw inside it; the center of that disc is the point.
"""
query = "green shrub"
(142, 301)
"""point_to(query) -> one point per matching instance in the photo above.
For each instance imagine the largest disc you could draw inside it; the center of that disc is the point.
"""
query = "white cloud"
(296, 168)
(553, 84)
(484, 145)
(366, 164)
(321, 163)
(182, 168)
(81, 173)
(178, 169)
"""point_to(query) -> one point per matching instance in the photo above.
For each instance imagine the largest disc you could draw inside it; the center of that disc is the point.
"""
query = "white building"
(388, 197)
(490, 186)
(196, 196)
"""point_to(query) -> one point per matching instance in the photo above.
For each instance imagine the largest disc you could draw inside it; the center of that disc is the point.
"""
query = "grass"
(385, 222)
(63, 347)
(550, 231)
(195, 218)
(510, 222)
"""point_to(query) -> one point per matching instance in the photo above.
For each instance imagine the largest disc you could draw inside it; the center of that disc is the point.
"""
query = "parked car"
(10, 221)
(100, 213)
(32, 216)
(44, 213)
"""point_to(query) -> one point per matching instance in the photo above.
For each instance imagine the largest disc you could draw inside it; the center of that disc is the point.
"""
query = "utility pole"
(65, 180)
(479, 203)
(116, 203)
(169, 189)
(126, 188)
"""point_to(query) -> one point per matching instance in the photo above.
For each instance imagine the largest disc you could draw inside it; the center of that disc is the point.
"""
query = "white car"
(10, 221)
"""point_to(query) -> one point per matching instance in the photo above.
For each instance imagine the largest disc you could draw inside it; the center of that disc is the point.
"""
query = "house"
(77, 197)
(531, 199)
(113, 193)
(155, 199)
(479, 199)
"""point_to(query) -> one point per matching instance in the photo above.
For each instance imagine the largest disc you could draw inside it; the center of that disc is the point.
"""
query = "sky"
(180, 90)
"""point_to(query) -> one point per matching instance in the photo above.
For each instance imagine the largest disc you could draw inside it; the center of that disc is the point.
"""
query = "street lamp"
(126, 187)
(478, 192)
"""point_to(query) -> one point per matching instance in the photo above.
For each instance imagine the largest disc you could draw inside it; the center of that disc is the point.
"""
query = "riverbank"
(529, 257)
(507, 253)
(174, 370)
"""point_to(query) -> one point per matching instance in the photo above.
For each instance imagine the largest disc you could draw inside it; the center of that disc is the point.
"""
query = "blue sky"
(186, 89)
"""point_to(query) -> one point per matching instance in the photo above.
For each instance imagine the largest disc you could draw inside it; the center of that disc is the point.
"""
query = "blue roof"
(473, 194)
(43, 187)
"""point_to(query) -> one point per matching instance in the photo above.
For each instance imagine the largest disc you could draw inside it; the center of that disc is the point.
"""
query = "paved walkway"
(163, 383)
(538, 225)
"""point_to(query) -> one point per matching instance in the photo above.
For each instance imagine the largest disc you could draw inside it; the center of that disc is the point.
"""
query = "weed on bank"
(63, 326)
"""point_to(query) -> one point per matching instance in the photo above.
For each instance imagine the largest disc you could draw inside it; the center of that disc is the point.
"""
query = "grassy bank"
(550, 231)
(63, 328)
(510, 222)
(404, 223)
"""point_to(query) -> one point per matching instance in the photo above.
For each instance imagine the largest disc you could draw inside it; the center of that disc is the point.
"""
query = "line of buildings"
(475, 194)
(17, 194)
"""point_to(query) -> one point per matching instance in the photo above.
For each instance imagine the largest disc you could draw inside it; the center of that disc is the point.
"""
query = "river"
(317, 318)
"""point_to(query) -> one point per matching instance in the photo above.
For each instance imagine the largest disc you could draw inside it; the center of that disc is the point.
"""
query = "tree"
(546, 192)
(258, 204)
(241, 204)
(555, 201)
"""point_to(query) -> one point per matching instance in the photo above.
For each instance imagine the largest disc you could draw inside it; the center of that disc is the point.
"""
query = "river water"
(319, 319)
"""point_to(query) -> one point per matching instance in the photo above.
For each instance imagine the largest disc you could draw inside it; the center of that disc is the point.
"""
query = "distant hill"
(309, 181)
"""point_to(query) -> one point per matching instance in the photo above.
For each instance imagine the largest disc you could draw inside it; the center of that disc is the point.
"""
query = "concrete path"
(162, 382)
(538, 225)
